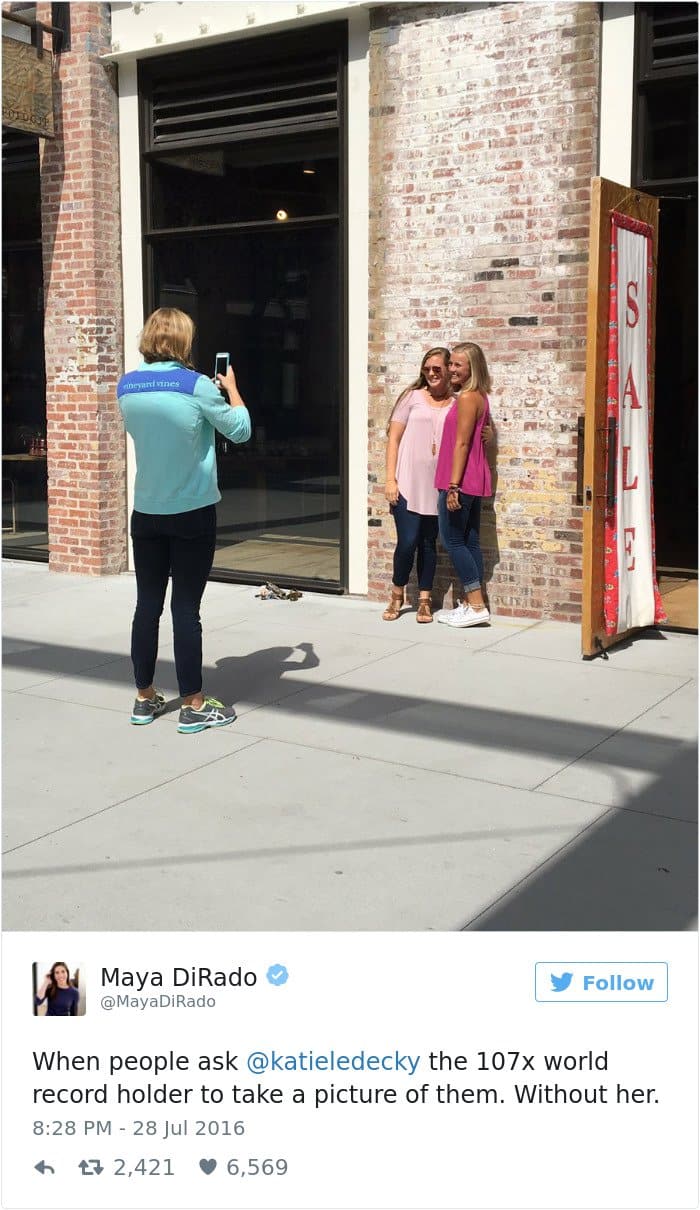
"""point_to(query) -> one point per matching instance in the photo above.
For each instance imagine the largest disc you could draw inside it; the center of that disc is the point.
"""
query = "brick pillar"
(83, 304)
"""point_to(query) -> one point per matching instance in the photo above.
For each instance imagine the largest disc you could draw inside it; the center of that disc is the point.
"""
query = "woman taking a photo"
(171, 413)
(463, 479)
(61, 999)
(415, 432)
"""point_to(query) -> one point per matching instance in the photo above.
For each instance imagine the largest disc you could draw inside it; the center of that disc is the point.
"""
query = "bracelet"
(454, 487)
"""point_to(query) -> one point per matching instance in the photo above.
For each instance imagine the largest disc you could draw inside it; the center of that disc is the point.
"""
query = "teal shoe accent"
(145, 711)
(211, 714)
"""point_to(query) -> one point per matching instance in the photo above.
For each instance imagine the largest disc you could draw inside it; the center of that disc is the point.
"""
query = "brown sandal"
(393, 609)
(425, 610)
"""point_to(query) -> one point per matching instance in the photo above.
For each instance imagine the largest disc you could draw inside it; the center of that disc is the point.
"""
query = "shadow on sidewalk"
(635, 868)
(258, 676)
(629, 870)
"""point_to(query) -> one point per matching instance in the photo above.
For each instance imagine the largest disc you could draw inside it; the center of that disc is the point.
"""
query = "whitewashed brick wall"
(483, 143)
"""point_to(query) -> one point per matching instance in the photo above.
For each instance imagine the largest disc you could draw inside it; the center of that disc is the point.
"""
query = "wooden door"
(598, 469)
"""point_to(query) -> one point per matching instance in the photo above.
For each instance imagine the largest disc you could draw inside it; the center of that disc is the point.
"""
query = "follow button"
(601, 982)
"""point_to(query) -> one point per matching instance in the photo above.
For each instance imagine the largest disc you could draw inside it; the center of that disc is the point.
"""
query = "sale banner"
(631, 597)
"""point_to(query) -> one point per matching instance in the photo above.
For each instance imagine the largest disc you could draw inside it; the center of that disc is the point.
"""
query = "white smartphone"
(221, 365)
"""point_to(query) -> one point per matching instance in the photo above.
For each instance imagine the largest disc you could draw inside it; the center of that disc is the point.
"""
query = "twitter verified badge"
(601, 982)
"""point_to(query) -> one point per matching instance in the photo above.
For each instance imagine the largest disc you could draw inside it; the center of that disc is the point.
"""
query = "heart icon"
(207, 1166)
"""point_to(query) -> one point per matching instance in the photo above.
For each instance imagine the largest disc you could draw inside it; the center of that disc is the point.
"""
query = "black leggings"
(180, 545)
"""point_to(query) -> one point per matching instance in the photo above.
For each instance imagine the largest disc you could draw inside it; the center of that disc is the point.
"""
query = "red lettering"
(631, 390)
(632, 305)
(628, 545)
(627, 487)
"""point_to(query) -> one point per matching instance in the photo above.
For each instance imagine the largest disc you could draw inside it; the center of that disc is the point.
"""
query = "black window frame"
(650, 80)
(653, 78)
(59, 28)
(20, 152)
(60, 20)
(260, 49)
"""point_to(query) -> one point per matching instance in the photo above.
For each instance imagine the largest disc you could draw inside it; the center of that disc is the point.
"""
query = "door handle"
(580, 432)
(612, 463)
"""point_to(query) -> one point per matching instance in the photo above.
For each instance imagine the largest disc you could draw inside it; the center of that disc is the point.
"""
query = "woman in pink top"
(463, 479)
(415, 433)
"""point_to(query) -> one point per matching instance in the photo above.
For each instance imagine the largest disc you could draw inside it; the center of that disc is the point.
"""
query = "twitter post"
(352, 1071)
(349, 606)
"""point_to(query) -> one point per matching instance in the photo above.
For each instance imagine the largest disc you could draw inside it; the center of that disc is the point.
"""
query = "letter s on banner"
(632, 305)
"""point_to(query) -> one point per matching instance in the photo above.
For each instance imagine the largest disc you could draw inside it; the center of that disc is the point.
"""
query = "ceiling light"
(281, 216)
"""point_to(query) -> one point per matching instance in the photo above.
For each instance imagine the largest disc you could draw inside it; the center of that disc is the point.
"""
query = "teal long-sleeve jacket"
(171, 414)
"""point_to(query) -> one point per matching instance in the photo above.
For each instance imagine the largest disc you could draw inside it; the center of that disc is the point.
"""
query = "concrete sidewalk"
(379, 776)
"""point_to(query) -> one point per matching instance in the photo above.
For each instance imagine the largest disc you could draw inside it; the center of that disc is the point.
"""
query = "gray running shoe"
(211, 714)
(146, 711)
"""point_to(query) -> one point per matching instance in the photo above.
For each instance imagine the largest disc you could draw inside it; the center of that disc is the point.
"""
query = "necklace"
(434, 446)
(437, 405)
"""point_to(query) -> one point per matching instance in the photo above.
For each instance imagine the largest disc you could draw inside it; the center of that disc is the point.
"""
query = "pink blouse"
(418, 450)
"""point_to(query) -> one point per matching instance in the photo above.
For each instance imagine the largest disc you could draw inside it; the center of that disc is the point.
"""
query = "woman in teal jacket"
(171, 413)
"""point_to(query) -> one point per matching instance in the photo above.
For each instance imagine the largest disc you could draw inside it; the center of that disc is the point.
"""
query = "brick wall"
(83, 304)
(483, 142)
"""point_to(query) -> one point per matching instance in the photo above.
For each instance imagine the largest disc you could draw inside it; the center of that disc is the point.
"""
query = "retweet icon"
(561, 982)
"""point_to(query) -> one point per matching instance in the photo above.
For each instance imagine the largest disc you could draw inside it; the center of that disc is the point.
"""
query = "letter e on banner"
(628, 545)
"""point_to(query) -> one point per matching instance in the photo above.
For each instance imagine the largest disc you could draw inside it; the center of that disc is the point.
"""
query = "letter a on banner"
(631, 596)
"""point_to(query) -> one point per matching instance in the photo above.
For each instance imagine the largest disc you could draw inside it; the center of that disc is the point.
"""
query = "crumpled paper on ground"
(270, 592)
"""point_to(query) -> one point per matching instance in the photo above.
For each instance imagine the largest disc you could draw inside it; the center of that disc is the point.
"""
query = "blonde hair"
(167, 336)
(421, 380)
(479, 378)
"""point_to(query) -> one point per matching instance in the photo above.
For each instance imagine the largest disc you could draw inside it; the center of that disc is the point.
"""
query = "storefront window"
(243, 188)
(236, 184)
(24, 454)
(264, 298)
(665, 164)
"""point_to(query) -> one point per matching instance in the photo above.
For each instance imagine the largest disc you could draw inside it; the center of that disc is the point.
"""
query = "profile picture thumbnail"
(58, 991)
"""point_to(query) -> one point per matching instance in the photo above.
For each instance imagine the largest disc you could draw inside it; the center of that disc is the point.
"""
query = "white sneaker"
(443, 615)
(466, 615)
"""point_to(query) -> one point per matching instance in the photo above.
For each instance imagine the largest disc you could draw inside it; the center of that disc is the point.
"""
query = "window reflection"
(673, 132)
(270, 299)
(24, 452)
(245, 183)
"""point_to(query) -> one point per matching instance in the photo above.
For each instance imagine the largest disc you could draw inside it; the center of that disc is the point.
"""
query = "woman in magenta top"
(463, 478)
(415, 433)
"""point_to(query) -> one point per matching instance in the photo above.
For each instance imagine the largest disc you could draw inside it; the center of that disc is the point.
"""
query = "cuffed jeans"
(180, 545)
(414, 531)
(459, 534)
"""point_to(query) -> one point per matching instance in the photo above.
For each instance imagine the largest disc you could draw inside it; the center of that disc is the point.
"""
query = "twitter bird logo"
(561, 982)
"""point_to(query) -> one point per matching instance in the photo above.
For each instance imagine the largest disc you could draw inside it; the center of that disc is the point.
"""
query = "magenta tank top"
(476, 480)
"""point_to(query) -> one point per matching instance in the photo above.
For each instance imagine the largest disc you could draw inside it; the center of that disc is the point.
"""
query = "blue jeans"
(180, 545)
(459, 534)
(414, 531)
